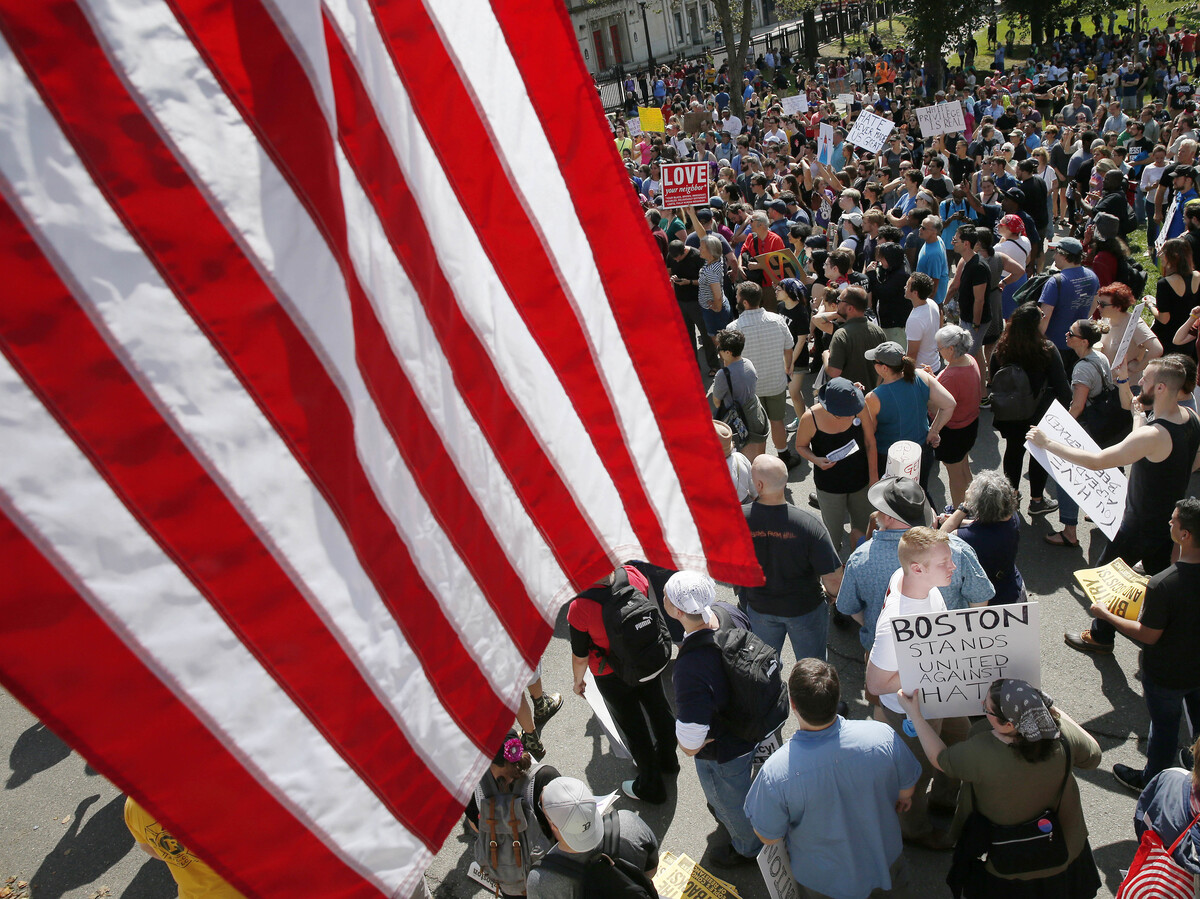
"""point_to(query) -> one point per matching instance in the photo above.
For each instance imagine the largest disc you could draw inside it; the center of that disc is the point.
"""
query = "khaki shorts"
(775, 405)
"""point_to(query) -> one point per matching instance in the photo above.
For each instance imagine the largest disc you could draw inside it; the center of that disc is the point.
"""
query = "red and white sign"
(685, 184)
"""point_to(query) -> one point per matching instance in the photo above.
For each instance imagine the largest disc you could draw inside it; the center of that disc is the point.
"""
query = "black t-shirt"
(688, 268)
(1172, 605)
(1180, 94)
(794, 550)
(961, 168)
(975, 272)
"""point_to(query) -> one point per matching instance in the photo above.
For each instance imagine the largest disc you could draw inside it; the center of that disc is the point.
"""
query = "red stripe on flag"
(145, 740)
(291, 127)
(632, 273)
(85, 386)
(499, 218)
(210, 275)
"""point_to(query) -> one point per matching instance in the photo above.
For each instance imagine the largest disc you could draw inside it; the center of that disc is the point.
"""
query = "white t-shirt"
(1150, 177)
(921, 325)
(896, 605)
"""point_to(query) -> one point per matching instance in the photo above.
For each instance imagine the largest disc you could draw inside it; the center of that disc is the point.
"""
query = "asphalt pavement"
(61, 826)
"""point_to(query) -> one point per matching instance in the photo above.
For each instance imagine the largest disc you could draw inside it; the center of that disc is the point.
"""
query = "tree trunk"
(1037, 17)
(735, 49)
(931, 52)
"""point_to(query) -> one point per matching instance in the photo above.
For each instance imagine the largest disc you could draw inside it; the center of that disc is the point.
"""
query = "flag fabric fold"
(336, 357)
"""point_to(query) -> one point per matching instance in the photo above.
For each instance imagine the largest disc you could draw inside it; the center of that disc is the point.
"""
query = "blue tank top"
(903, 413)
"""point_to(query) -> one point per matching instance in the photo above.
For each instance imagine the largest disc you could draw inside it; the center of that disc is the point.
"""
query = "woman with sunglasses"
(1114, 303)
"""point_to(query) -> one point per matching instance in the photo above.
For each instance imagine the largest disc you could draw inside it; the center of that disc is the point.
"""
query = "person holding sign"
(1163, 454)
(1169, 631)
(925, 565)
(1017, 764)
(1114, 303)
(832, 793)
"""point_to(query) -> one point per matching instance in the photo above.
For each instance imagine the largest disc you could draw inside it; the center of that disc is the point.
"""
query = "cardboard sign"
(615, 738)
(953, 657)
(794, 105)
(776, 870)
(825, 144)
(633, 127)
(779, 264)
(1135, 315)
(651, 119)
(870, 131)
(1116, 586)
(1101, 494)
(685, 184)
(679, 876)
(943, 118)
(695, 122)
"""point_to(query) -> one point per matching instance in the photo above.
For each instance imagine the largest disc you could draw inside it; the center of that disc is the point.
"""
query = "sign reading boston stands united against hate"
(953, 657)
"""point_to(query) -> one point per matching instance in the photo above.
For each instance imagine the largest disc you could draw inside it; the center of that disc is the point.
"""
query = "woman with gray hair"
(960, 376)
(987, 520)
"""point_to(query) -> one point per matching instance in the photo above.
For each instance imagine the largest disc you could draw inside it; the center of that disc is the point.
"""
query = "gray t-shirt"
(1088, 370)
(745, 383)
(638, 846)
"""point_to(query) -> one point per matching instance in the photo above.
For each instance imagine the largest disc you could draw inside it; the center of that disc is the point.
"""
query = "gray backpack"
(509, 841)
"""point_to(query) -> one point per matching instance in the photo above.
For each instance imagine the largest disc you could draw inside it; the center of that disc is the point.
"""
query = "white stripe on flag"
(130, 582)
(209, 408)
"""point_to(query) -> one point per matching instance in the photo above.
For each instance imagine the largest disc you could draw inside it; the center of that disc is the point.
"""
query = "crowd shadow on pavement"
(36, 750)
(86, 851)
(153, 881)
(1112, 860)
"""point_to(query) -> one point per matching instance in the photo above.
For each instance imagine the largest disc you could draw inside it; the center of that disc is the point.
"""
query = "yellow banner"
(651, 119)
(1116, 586)
(679, 877)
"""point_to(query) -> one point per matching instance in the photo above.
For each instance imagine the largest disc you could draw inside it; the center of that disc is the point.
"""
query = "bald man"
(799, 562)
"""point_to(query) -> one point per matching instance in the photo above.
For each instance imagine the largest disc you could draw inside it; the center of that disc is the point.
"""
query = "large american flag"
(335, 358)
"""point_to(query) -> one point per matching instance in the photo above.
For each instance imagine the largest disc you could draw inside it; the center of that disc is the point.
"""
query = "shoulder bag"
(1033, 845)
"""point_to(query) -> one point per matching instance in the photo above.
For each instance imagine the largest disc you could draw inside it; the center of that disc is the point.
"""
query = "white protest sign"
(776, 870)
(1135, 316)
(592, 694)
(953, 657)
(870, 131)
(685, 184)
(1101, 494)
(765, 750)
(847, 449)
(825, 144)
(633, 127)
(845, 99)
(943, 118)
(1167, 219)
(480, 876)
(793, 105)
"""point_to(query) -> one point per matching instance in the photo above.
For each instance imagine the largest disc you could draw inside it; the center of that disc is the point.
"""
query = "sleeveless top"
(1154, 487)
(850, 474)
(903, 413)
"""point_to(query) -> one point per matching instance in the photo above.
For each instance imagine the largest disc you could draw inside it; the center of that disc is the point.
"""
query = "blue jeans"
(1068, 509)
(1166, 707)
(809, 632)
(725, 785)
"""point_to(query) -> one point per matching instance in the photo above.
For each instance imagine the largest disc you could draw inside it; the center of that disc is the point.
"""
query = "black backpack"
(1103, 418)
(1031, 290)
(758, 700)
(1131, 273)
(606, 875)
(1013, 398)
(639, 643)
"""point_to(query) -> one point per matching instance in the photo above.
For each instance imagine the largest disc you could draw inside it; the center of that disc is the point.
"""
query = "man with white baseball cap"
(576, 822)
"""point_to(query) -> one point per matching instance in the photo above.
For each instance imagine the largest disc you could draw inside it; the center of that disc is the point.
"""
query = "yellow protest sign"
(779, 264)
(651, 119)
(679, 877)
(1116, 586)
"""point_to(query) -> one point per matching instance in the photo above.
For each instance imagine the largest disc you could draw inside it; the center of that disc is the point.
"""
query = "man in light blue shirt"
(932, 258)
(900, 504)
(833, 793)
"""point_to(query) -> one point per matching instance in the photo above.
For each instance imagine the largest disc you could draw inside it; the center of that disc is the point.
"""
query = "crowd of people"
(940, 286)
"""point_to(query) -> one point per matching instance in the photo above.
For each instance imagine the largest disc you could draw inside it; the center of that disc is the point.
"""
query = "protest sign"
(685, 184)
(651, 119)
(480, 876)
(793, 105)
(870, 131)
(779, 264)
(825, 144)
(1167, 219)
(615, 738)
(1101, 494)
(1135, 315)
(765, 750)
(943, 118)
(845, 99)
(953, 657)
(633, 127)
(695, 122)
(679, 876)
(1116, 586)
(776, 870)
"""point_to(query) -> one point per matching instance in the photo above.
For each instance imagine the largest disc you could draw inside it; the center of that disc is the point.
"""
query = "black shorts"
(956, 443)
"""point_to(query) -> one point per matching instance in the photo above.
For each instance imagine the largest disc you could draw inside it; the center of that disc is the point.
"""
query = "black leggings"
(1014, 458)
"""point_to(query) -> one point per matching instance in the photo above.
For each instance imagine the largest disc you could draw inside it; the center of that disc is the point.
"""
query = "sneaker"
(813, 501)
(986, 402)
(627, 789)
(728, 857)
(533, 746)
(1042, 506)
(545, 707)
(790, 459)
(1185, 759)
(1129, 777)
(793, 426)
